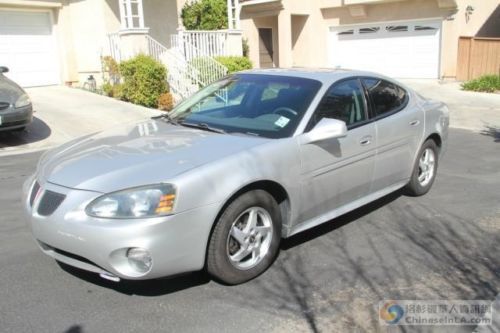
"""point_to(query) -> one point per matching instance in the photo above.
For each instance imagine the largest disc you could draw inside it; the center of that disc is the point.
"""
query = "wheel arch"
(436, 138)
(276, 190)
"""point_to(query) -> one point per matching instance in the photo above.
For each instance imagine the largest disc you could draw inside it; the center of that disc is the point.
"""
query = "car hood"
(141, 154)
(9, 90)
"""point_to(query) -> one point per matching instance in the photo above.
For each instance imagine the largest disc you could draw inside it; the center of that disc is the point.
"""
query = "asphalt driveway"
(445, 245)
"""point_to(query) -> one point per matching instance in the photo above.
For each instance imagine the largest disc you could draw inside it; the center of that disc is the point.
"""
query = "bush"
(205, 15)
(107, 89)
(235, 64)
(487, 83)
(143, 80)
(166, 102)
(117, 91)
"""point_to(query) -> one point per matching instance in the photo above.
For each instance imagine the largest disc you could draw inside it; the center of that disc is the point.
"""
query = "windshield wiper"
(165, 116)
(204, 127)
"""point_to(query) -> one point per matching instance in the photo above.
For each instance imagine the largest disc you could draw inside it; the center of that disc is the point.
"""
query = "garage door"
(28, 48)
(401, 50)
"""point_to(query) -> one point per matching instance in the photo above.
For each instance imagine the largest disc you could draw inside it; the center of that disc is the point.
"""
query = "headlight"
(22, 101)
(139, 202)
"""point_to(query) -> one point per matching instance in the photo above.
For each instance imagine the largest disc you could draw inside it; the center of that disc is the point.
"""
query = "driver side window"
(344, 101)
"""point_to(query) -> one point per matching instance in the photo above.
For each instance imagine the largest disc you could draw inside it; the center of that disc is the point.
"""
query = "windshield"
(262, 105)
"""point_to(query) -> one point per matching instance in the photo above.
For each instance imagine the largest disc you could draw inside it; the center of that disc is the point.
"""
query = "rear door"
(336, 172)
(399, 124)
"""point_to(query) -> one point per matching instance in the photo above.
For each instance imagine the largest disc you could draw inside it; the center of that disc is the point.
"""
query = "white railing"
(201, 43)
(185, 75)
(155, 48)
(183, 78)
(210, 70)
(115, 46)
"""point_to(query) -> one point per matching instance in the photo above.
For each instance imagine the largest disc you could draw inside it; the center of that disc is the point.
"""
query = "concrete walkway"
(468, 110)
(63, 113)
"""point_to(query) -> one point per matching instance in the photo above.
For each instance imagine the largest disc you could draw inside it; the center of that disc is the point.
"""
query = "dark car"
(16, 111)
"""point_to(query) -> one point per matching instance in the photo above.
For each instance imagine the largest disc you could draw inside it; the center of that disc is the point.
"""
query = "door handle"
(414, 122)
(365, 141)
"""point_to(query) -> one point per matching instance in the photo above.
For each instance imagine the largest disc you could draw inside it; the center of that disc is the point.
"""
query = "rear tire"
(424, 169)
(246, 238)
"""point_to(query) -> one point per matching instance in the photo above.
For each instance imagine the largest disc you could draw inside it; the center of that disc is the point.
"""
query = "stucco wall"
(460, 26)
(161, 18)
(250, 28)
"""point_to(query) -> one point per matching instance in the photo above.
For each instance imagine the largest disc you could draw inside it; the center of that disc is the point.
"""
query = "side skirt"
(345, 209)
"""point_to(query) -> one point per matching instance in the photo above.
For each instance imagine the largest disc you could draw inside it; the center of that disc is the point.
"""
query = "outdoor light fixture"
(468, 12)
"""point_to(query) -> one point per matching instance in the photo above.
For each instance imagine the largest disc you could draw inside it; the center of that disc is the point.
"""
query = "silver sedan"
(217, 183)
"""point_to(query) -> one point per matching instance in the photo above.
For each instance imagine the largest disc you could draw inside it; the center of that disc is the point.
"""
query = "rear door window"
(385, 96)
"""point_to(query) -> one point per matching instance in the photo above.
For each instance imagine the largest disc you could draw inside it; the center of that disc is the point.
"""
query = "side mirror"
(3, 69)
(326, 129)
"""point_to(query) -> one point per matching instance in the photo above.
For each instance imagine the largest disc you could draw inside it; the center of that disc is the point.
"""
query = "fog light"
(139, 259)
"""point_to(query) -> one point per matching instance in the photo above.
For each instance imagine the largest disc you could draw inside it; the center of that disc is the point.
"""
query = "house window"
(131, 14)
(424, 28)
(369, 30)
(346, 32)
(397, 28)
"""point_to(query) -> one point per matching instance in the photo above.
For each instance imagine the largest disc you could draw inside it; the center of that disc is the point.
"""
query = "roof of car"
(325, 75)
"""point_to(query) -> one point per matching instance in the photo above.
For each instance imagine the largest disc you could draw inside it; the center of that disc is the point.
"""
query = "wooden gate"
(477, 57)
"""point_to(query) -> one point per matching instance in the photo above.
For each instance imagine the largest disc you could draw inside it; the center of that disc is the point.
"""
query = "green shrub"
(107, 89)
(117, 91)
(235, 64)
(487, 83)
(143, 80)
(205, 15)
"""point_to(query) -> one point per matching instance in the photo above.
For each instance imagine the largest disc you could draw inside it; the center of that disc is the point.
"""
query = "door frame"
(273, 57)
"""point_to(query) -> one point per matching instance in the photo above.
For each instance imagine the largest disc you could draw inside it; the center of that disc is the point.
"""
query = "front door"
(336, 172)
(266, 48)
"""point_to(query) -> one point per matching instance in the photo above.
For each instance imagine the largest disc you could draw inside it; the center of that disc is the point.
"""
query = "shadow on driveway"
(494, 132)
(38, 130)
(151, 288)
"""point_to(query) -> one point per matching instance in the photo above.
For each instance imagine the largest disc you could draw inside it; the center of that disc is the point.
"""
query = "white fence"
(189, 67)
(115, 46)
(196, 44)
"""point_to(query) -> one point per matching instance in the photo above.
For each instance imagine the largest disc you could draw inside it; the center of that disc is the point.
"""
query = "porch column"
(285, 39)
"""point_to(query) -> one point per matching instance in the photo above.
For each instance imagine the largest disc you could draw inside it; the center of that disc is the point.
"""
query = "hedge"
(144, 80)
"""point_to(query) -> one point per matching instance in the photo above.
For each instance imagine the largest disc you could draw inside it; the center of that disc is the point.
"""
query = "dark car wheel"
(424, 170)
(246, 238)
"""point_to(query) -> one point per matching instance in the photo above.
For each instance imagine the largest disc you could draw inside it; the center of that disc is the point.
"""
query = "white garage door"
(401, 50)
(28, 48)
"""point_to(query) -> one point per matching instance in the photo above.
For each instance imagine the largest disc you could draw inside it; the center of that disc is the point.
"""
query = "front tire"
(424, 170)
(246, 238)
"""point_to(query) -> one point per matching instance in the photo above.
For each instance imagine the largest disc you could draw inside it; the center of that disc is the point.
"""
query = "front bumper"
(13, 118)
(177, 243)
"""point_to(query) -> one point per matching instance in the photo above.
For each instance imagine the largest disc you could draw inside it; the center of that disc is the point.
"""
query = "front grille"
(4, 105)
(49, 202)
(34, 192)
